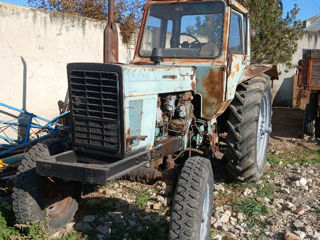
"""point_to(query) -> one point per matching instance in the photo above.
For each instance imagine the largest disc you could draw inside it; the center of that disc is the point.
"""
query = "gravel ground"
(284, 204)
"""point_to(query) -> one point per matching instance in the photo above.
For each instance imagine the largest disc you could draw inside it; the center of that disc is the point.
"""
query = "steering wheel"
(195, 44)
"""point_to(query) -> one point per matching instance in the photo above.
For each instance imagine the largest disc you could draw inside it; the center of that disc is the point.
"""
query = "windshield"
(184, 30)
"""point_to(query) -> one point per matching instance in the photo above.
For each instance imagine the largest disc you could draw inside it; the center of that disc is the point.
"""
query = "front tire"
(249, 127)
(192, 203)
(41, 199)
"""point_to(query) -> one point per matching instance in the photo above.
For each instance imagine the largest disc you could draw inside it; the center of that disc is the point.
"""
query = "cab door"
(237, 52)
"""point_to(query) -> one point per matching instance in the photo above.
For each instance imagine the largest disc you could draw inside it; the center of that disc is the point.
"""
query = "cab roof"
(232, 3)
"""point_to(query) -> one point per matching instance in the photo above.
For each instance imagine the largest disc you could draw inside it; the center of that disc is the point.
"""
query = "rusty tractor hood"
(207, 81)
(140, 80)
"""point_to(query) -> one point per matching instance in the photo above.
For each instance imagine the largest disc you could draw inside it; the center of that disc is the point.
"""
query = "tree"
(276, 37)
(204, 26)
(127, 12)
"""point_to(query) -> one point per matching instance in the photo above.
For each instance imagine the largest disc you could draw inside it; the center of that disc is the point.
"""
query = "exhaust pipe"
(111, 47)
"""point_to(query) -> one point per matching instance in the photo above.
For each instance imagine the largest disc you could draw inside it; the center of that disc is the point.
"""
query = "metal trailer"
(309, 81)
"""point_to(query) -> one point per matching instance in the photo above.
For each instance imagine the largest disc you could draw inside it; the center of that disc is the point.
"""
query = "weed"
(269, 172)
(273, 160)
(73, 236)
(6, 231)
(267, 190)
(142, 199)
(213, 234)
(302, 157)
(252, 209)
(36, 231)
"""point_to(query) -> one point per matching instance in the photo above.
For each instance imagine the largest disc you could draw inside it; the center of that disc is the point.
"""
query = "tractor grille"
(95, 100)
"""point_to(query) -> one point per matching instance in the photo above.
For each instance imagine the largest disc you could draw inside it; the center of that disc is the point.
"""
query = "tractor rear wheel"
(310, 116)
(43, 199)
(249, 127)
(192, 203)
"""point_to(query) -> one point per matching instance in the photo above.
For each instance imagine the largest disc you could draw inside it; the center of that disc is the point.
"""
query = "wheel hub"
(205, 213)
(55, 210)
(57, 200)
(264, 129)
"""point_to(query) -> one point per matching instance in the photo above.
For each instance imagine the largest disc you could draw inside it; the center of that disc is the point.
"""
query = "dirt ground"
(287, 131)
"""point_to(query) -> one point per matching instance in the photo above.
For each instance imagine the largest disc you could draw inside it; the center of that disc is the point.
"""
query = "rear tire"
(249, 127)
(40, 199)
(310, 116)
(192, 203)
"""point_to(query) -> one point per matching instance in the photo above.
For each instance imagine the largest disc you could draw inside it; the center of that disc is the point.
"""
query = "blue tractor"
(189, 87)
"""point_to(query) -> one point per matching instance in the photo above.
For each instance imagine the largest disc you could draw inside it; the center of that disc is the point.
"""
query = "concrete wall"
(283, 88)
(35, 47)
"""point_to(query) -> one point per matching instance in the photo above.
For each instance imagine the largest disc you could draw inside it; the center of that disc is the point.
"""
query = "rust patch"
(157, 162)
(237, 67)
(170, 76)
(226, 32)
(213, 84)
(167, 146)
(128, 133)
(233, 73)
(133, 138)
(193, 84)
(221, 108)
(240, 7)
(253, 71)
(187, 96)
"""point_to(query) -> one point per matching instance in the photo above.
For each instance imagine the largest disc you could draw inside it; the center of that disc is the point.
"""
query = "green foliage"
(73, 236)
(252, 209)
(126, 12)
(265, 190)
(273, 160)
(6, 214)
(305, 157)
(262, 190)
(204, 26)
(142, 199)
(276, 37)
(36, 231)
(301, 157)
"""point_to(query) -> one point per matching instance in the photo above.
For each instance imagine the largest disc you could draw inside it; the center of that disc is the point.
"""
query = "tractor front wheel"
(43, 199)
(192, 203)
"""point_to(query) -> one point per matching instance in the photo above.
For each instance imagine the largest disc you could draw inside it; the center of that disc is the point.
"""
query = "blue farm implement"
(21, 129)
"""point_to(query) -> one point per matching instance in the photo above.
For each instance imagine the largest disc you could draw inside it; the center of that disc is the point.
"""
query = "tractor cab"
(190, 32)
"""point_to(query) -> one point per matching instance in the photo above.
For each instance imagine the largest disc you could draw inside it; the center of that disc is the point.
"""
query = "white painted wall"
(35, 47)
(283, 88)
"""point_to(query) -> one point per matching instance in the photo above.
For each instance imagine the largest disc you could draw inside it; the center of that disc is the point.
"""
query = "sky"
(308, 8)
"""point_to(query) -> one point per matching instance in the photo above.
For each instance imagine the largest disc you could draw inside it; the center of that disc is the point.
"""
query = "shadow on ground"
(287, 123)
(116, 218)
